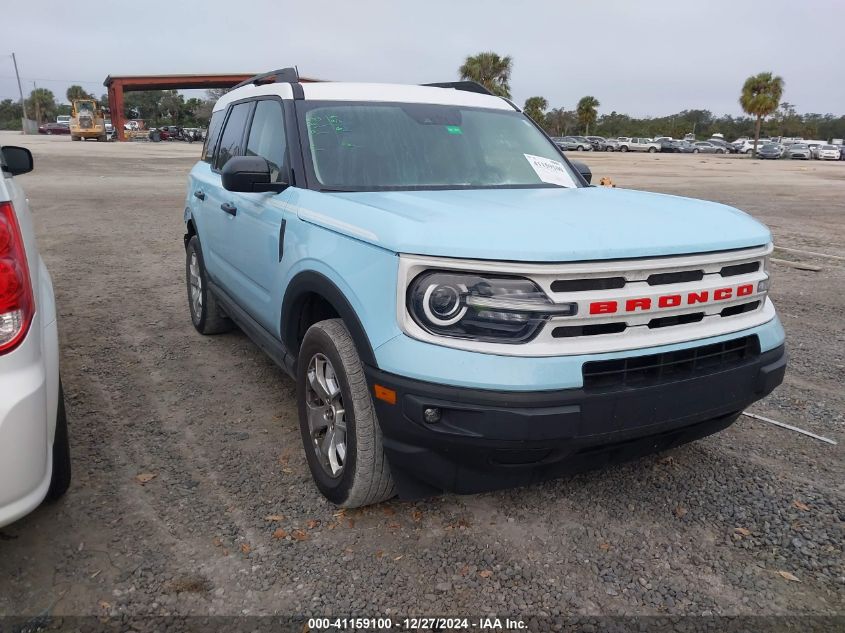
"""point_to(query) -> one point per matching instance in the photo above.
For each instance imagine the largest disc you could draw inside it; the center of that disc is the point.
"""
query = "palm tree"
(760, 97)
(490, 70)
(42, 102)
(587, 112)
(77, 92)
(535, 107)
(559, 121)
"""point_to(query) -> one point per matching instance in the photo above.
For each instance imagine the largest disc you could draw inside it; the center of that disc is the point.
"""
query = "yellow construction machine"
(87, 120)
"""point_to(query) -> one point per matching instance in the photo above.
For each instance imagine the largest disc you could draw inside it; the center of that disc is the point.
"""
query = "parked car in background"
(573, 143)
(684, 147)
(639, 144)
(582, 144)
(706, 147)
(799, 150)
(815, 146)
(34, 450)
(54, 128)
(566, 143)
(829, 152)
(599, 143)
(770, 150)
(748, 145)
(720, 142)
(63, 119)
(668, 145)
(611, 144)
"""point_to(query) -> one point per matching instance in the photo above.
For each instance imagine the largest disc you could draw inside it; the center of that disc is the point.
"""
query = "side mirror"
(581, 168)
(17, 160)
(249, 174)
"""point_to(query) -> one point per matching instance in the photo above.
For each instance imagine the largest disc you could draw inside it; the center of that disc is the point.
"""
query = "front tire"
(60, 479)
(206, 314)
(340, 432)
(651, 150)
(624, 148)
(695, 151)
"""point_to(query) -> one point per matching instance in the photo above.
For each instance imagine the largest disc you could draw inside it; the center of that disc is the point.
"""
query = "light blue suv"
(460, 310)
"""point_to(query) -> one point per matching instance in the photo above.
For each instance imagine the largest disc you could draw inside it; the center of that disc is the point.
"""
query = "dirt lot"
(746, 522)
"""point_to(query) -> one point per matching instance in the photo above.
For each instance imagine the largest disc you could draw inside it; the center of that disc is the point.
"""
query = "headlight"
(764, 285)
(481, 307)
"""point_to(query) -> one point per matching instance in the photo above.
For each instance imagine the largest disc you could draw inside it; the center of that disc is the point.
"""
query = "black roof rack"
(467, 86)
(282, 75)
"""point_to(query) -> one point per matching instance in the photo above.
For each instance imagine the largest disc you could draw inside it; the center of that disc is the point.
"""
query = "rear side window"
(231, 143)
(213, 134)
(267, 136)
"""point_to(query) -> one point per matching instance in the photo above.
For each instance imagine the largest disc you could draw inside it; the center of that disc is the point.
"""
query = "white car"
(639, 144)
(747, 146)
(829, 152)
(34, 450)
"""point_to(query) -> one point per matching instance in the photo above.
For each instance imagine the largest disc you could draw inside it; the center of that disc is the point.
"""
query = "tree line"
(760, 98)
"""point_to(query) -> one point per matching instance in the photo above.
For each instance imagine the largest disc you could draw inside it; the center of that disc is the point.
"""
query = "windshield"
(406, 146)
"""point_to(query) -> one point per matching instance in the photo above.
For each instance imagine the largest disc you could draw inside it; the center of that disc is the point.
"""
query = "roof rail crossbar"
(282, 75)
(467, 86)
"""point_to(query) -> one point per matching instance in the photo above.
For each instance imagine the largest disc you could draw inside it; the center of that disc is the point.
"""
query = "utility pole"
(37, 106)
(20, 90)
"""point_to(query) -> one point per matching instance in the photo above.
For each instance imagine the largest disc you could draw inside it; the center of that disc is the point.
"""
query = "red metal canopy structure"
(119, 84)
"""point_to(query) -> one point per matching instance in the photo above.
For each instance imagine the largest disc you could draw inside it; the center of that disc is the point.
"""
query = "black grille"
(588, 330)
(661, 279)
(740, 269)
(740, 309)
(681, 319)
(580, 285)
(654, 369)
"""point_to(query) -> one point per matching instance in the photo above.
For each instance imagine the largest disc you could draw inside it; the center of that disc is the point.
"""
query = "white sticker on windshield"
(551, 171)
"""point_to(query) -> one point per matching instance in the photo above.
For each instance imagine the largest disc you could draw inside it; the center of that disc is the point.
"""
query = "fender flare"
(311, 282)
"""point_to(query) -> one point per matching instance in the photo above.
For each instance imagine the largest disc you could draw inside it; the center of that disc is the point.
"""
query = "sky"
(640, 57)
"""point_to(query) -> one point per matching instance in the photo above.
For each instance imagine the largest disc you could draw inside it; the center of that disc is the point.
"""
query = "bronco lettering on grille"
(644, 304)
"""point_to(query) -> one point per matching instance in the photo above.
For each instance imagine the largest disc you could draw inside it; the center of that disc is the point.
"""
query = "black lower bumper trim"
(485, 440)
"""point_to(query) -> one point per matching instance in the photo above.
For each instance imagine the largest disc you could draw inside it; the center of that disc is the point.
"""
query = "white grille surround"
(741, 313)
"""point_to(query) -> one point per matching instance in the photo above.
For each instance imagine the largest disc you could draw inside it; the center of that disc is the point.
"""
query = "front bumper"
(493, 439)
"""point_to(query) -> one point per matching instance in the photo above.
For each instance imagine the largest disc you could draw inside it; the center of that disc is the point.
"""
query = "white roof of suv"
(338, 91)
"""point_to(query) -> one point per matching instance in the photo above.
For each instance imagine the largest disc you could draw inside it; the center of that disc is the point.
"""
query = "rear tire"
(340, 432)
(206, 314)
(624, 148)
(60, 479)
(695, 151)
(652, 150)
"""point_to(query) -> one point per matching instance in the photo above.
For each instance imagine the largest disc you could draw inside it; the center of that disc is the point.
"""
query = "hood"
(539, 225)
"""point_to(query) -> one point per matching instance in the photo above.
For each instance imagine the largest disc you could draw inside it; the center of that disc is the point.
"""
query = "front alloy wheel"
(337, 420)
(326, 415)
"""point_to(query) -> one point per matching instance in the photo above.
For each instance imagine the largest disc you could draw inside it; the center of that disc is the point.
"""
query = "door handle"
(229, 208)
(199, 194)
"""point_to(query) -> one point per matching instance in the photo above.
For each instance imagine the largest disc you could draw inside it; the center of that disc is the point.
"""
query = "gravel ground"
(191, 494)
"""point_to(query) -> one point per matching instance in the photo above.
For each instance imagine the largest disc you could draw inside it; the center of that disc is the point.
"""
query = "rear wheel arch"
(312, 297)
